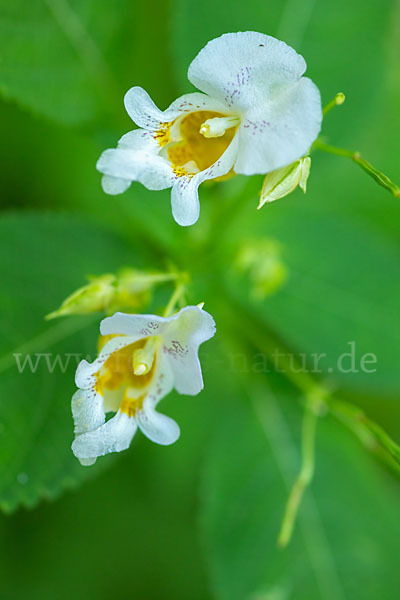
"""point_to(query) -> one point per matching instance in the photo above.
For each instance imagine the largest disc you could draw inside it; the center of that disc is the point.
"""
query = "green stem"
(382, 179)
(336, 101)
(319, 399)
(152, 279)
(176, 296)
(373, 437)
(305, 476)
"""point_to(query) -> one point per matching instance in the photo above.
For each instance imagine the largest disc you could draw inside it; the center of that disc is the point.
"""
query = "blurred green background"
(199, 519)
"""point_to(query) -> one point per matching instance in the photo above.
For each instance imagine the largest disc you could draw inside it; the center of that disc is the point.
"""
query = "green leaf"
(344, 544)
(44, 258)
(339, 304)
(72, 60)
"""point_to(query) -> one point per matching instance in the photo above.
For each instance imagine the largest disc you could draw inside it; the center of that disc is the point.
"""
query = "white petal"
(188, 378)
(87, 411)
(260, 78)
(189, 328)
(114, 185)
(139, 140)
(134, 326)
(194, 102)
(150, 169)
(185, 201)
(85, 373)
(142, 110)
(157, 427)
(185, 196)
(281, 130)
(231, 67)
(145, 113)
(114, 436)
(162, 383)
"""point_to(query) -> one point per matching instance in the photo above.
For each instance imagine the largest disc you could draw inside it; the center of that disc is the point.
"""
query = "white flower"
(143, 358)
(257, 114)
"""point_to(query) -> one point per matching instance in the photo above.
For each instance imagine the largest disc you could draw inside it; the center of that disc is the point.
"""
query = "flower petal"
(139, 164)
(231, 67)
(139, 140)
(261, 78)
(114, 436)
(195, 101)
(184, 194)
(281, 130)
(163, 382)
(142, 110)
(87, 411)
(134, 326)
(114, 185)
(85, 373)
(157, 427)
(189, 328)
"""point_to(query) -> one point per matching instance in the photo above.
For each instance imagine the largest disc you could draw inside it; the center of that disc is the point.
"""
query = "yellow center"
(130, 406)
(118, 373)
(194, 152)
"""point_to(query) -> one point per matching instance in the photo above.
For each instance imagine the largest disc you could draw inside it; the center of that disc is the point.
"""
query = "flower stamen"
(217, 126)
(143, 358)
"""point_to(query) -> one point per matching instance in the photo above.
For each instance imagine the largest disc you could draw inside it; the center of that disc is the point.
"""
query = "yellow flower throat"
(130, 369)
(195, 150)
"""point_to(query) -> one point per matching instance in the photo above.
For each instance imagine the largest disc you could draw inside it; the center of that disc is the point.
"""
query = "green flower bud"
(282, 182)
(95, 296)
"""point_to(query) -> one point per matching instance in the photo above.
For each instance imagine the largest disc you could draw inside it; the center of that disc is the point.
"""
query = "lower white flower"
(143, 358)
(257, 114)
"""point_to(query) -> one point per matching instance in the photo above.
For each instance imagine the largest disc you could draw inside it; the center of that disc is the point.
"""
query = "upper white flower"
(142, 359)
(257, 114)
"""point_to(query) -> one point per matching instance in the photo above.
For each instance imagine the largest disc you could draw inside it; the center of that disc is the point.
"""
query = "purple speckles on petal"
(176, 349)
(256, 127)
(232, 89)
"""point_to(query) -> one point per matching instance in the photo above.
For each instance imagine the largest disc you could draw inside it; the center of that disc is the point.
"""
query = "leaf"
(43, 259)
(344, 544)
(338, 307)
(72, 60)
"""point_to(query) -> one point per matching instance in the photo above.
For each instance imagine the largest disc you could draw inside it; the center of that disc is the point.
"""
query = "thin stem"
(382, 179)
(336, 101)
(176, 295)
(320, 145)
(373, 437)
(305, 476)
(151, 279)
(284, 448)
